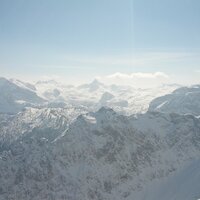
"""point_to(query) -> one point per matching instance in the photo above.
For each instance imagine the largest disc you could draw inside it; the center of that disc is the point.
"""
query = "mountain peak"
(106, 96)
(96, 82)
(93, 86)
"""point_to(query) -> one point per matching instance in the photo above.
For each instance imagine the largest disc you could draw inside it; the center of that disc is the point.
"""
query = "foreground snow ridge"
(101, 155)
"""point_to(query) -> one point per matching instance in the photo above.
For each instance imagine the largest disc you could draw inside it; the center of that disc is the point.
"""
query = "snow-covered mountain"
(13, 127)
(105, 155)
(182, 185)
(54, 144)
(184, 100)
(22, 84)
(52, 90)
(106, 96)
(93, 86)
(15, 97)
(124, 99)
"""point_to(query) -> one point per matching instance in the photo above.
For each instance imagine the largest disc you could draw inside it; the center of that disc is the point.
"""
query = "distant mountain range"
(17, 95)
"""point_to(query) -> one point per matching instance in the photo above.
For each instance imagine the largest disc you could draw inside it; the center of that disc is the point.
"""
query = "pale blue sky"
(99, 37)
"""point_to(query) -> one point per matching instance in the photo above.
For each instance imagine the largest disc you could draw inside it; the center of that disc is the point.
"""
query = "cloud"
(138, 79)
(139, 75)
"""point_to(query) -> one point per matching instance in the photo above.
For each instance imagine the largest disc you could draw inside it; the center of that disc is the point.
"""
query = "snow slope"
(14, 98)
(183, 185)
(104, 155)
(184, 100)
(13, 127)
